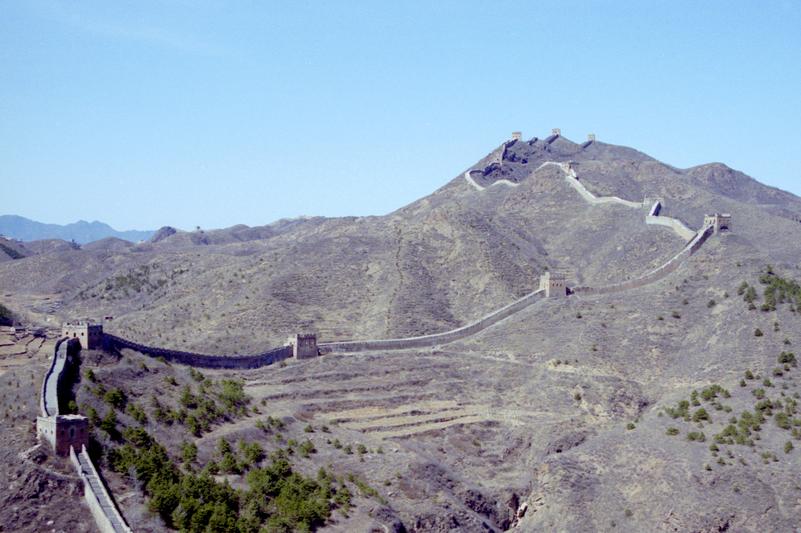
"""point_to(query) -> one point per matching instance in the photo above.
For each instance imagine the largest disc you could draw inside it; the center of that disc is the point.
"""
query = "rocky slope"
(558, 418)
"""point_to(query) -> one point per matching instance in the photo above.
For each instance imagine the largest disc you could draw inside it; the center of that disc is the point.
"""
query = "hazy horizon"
(214, 114)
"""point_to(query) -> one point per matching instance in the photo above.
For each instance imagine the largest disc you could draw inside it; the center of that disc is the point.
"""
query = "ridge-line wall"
(655, 274)
(672, 223)
(101, 505)
(573, 180)
(203, 360)
(436, 338)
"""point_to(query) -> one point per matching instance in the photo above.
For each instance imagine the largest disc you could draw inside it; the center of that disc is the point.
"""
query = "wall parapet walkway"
(101, 504)
(656, 274)
(435, 339)
(202, 360)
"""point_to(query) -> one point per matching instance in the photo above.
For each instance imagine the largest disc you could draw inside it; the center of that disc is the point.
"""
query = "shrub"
(115, 398)
(306, 448)
(758, 332)
(696, 436)
(787, 358)
(700, 415)
(782, 420)
(672, 431)
(711, 303)
(788, 447)
(90, 375)
(630, 426)
(188, 452)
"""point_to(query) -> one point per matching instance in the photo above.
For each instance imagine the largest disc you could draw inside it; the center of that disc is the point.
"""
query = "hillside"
(566, 416)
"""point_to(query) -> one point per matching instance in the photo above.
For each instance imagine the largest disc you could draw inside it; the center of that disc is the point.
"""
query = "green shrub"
(672, 431)
(696, 436)
(758, 332)
(787, 358)
(115, 398)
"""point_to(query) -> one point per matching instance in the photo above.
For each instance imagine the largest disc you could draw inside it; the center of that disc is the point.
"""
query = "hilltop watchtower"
(517, 135)
(556, 132)
(87, 332)
(554, 284)
(591, 137)
(720, 222)
(304, 345)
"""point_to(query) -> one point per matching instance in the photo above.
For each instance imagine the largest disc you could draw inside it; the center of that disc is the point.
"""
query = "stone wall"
(435, 339)
(676, 225)
(656, 274)
(107, 517)
(105, 513)
(202, 360)
(48, 397)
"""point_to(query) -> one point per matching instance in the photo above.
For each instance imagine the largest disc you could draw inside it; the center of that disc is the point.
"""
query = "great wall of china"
(66, 432)
(59, 429)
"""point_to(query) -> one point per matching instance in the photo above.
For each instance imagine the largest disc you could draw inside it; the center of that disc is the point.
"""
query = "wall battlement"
(554, 284)
(304, 345)
(719, 222)
(88, 333)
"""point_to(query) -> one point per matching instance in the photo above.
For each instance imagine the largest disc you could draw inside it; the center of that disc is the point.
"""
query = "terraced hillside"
(566, 416)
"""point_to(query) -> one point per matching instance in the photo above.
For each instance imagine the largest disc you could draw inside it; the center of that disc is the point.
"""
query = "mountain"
(82, 232)
(667, 406)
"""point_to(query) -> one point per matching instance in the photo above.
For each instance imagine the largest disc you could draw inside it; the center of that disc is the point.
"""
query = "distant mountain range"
(17, 227)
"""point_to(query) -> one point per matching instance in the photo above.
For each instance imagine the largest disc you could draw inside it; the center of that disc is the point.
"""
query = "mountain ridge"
(82, 232)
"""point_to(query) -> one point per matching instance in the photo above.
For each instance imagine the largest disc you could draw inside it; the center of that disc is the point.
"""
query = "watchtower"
(304, 345)
(554, 284)
(591, 137)
(63, 432)
(556, 131)
(517, 135)
(87, 332)
(718, 221)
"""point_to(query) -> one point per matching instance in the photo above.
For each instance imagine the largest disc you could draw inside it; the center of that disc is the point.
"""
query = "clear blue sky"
(214, 113)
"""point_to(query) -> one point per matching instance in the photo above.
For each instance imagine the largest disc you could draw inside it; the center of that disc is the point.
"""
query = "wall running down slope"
(653, 217)
(435, 339)
(104, 511)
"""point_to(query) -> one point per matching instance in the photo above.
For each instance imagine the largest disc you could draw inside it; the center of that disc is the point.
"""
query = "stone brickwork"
(435, 339)
(202, 360)
(304, 345)
(89, 334)
(63, 432)
(554, 284)
(719, 222)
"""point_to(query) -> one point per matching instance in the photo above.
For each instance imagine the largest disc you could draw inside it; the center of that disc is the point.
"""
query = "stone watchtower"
(517, 135)
(556, 132)
(591, 137)
(89, 334)
(63, 432)
(554, 284)
(304, 345)
(718, 221)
